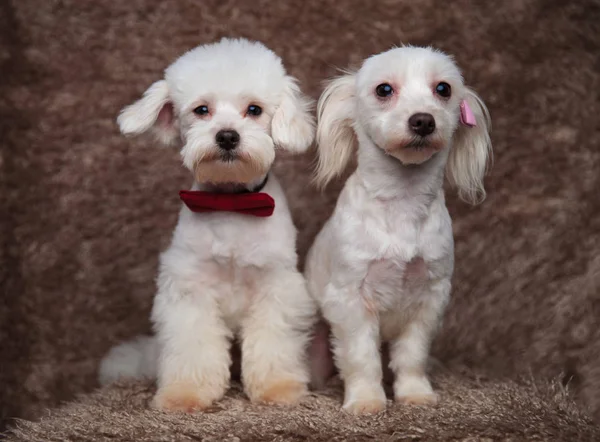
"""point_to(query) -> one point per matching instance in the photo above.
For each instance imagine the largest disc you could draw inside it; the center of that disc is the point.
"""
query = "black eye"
(201, 110)
(384, 90)
(254, 110)
(443, 90)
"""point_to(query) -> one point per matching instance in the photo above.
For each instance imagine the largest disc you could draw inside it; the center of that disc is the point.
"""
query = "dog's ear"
(470, 152)
(293, 126)
(153, 112)
(336, 138)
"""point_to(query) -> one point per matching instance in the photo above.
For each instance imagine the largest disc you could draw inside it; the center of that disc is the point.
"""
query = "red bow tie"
(252, 203)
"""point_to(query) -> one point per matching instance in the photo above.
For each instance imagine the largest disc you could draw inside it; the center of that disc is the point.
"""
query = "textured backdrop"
(85, 212)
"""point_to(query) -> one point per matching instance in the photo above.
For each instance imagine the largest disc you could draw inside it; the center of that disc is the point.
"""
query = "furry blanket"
(472, 409)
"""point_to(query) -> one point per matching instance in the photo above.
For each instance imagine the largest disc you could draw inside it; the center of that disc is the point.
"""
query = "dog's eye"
(384, 90)
(201, 110)
(254, 110)
(443, 90)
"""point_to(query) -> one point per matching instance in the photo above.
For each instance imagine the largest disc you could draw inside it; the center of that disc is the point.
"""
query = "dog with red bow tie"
(230, 271)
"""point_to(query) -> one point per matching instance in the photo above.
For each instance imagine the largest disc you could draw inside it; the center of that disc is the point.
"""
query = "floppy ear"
(293, 126)
(154, 111)
(336, 138)
(470, 152)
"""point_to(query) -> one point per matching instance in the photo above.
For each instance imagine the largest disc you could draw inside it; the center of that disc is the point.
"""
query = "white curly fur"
(225, 275)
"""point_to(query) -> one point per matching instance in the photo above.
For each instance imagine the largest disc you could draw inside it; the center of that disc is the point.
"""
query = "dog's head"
(231, 104)
(407, 102)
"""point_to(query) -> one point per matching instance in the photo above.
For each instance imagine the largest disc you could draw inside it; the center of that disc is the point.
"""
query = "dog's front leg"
(356, 348)
(409, 351)
(275, 337)
(193, 369)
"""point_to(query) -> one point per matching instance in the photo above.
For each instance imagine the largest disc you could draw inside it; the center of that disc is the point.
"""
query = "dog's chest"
(393, 233)
(391, 284)
(239, 286)
(230, 255)
(240, 251)
(244, 240)
(236, 243)
(400, 257)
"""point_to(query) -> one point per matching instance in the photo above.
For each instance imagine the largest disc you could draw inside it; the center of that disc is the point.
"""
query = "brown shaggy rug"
(471, 410)
(84, 212)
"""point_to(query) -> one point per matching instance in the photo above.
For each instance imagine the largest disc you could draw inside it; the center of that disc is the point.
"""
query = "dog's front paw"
(183, 396)
(364, 399)
(282, 392)
(365, 406)
(418, 399)
(415, 391)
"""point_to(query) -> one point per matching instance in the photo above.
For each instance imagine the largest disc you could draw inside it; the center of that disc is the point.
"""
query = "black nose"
(422, 124)
(227, 139)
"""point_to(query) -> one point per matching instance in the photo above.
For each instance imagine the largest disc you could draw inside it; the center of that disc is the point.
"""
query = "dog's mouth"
(414, 150)
(419, 143)
(228, 156)
(414, 144)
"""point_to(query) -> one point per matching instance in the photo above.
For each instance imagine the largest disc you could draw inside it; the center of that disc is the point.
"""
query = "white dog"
(381, 267)
(225, 275)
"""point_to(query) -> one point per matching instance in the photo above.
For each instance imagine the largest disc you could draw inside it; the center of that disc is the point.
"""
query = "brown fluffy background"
(85, 212)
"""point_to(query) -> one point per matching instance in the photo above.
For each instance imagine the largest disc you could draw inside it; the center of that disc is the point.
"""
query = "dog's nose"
(227, 139)
(422, 124)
